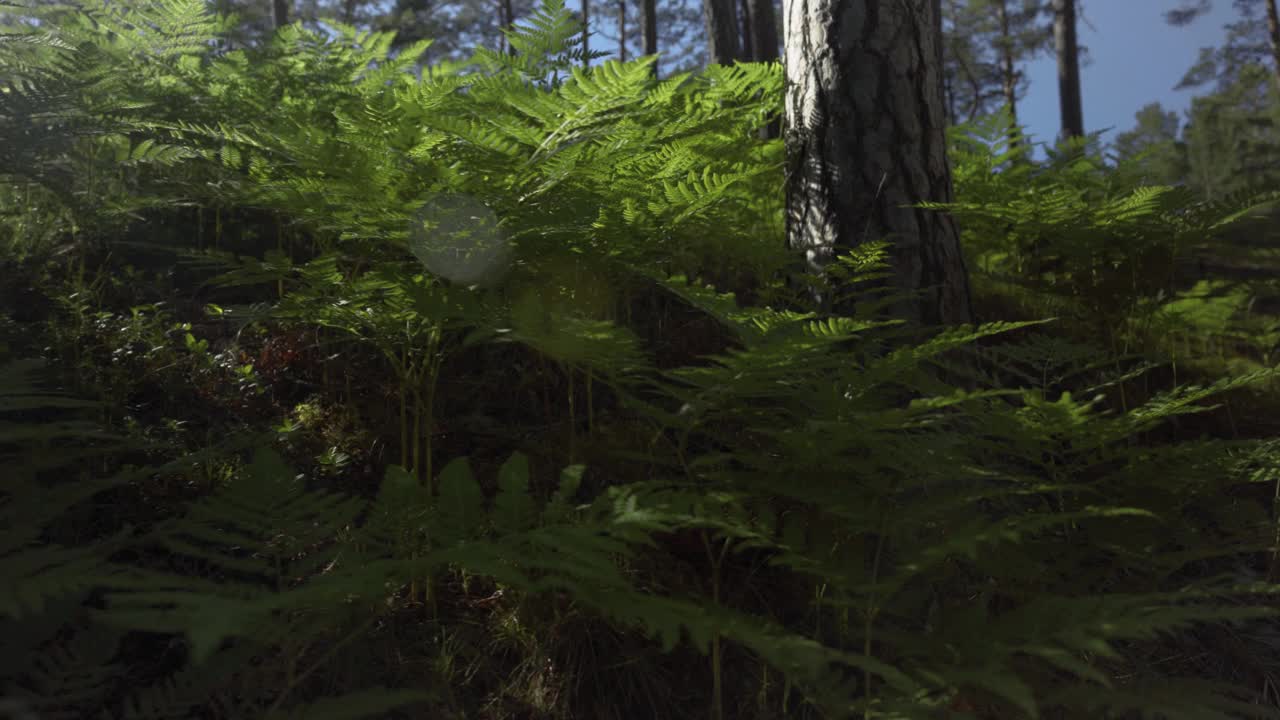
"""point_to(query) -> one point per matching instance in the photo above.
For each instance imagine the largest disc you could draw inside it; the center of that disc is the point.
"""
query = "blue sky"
(1136, 58)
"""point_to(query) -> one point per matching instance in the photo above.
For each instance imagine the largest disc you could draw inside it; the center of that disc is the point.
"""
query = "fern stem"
(324, 658)
(573, 419)
(872, 611)
(430, 410)
(717, 663)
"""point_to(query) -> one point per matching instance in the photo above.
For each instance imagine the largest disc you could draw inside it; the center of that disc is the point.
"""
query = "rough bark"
(720, 17)
(865, 141)
(1068, 50)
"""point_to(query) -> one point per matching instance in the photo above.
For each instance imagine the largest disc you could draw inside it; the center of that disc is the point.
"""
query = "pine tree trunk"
(280, 12)
(1068, 50)
(865, 141)
(586, 27)
(649, 18)
(763, 24)
(507, 18)
(622, 30)
(720, 17)
(764, 30)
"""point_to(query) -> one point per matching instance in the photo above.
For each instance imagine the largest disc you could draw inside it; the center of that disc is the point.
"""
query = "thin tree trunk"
(280, 12)
(866, 141)
(763, 24)
(508, 19)
(744, 12)
(722, 31)
(622, 30)
(586, 27)
(1068, 50)
(1273, 32)
(1008, 74)
(649, 20)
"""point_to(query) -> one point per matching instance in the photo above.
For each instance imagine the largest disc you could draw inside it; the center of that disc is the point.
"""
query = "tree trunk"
(586, 28)
(764, 30)
(865, 141)
(763, 24)
(720, 17)
(649, 18)
(1008, 74)
(507, 18)
(622, 30)
(1273, 32)
(1064, 40)
(280, 12)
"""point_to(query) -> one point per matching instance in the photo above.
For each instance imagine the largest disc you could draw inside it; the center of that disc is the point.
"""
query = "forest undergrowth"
(329, 391)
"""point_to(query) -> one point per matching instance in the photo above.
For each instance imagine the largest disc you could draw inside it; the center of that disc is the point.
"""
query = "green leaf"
(513, 509)
(460, 506)
(560, 505)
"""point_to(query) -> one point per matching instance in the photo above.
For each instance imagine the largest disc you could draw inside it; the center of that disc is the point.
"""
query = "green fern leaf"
(513, 509)
(459, 509)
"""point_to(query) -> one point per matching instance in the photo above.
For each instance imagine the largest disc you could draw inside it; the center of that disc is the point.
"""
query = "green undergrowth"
(332, 392)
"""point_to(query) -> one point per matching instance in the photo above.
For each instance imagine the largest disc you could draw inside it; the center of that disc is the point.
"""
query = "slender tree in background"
(586, 33)
(744, 16)
(1068, 50)
(866, 141)
(280, 12)
(649, 25)
(508, 18)
(762, 28)
(985, 43)
(1016, 37)
(971, 76)
(622, 30)
(721, 20)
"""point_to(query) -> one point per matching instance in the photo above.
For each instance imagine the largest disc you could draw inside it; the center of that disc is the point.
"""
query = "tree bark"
(865, 141)
(280, 12)
(649, 19)
(720, 17)
(1068, 50)
(744, 12)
